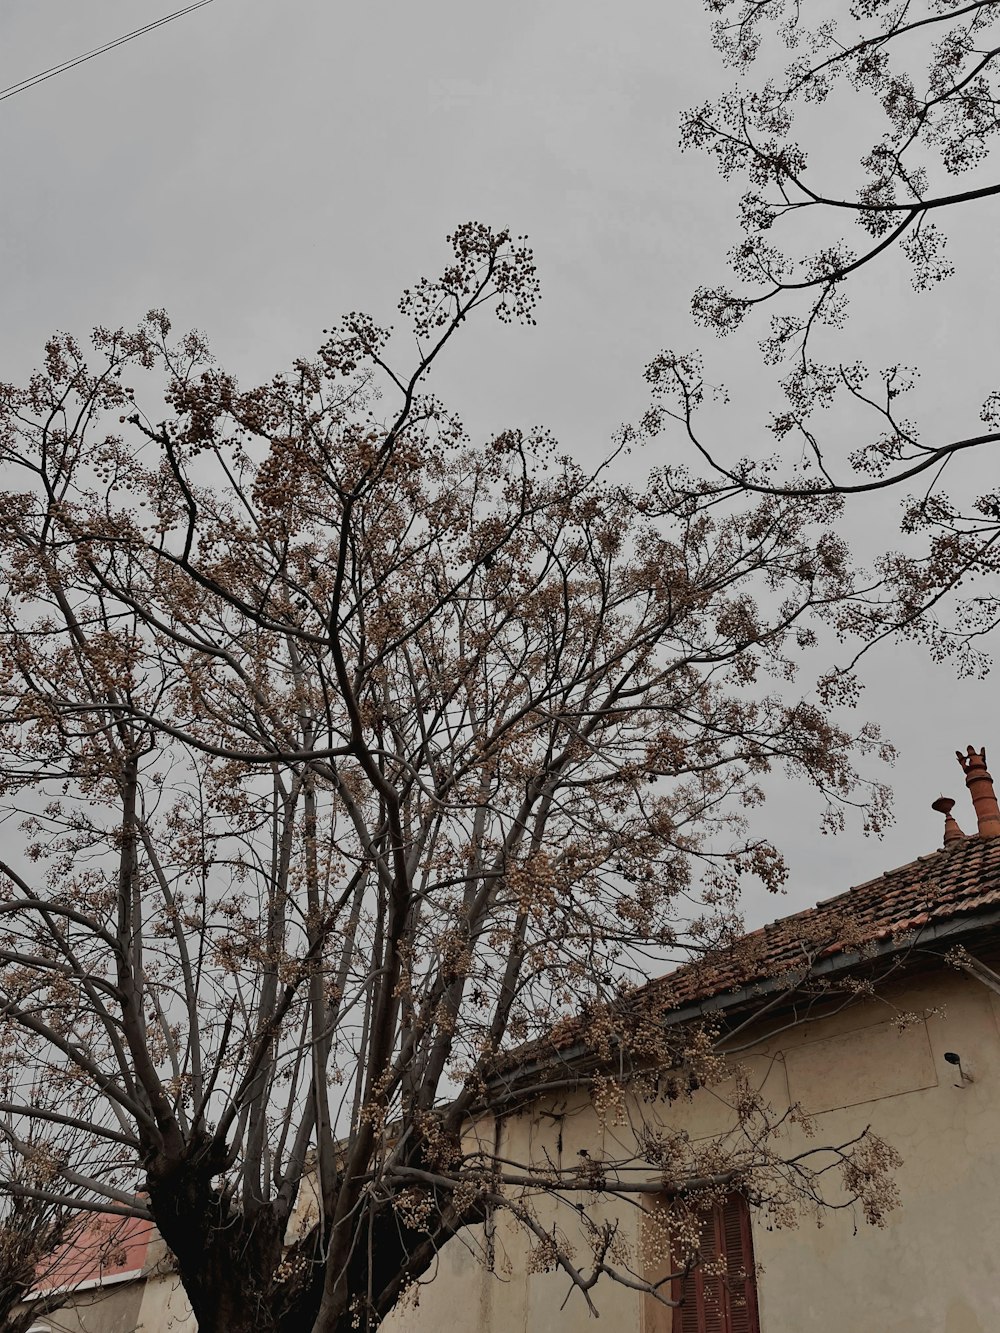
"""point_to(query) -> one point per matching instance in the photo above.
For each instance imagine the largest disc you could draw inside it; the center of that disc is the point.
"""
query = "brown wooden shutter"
(711, 1299)
(711, 1302)
(720, 1302)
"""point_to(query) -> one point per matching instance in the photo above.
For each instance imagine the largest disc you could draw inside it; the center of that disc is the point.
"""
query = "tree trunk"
(240, 1277)
(229, 1262)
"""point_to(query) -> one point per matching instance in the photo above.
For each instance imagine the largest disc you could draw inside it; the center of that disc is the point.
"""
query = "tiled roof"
(962, 877)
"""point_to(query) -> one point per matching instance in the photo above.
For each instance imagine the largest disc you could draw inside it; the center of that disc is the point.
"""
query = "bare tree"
(350, 755)
(917, 79)
(31, 1233)
(48, 1238)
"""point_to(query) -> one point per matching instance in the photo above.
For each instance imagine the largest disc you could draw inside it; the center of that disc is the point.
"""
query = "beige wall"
(165, 1307)
(107, 1310)
(154, 1304)
(935, 1267)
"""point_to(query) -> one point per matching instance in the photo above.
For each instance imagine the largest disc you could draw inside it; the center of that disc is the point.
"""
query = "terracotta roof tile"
(961, 877)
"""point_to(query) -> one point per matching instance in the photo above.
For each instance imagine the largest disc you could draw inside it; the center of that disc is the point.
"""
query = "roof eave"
(948, 931)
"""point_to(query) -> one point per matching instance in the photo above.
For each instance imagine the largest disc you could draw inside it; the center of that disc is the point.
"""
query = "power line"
(53, 70)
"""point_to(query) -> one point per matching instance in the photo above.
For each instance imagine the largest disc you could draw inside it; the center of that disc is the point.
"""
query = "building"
(878, 1008)
(915, 1055)
(117, 1277)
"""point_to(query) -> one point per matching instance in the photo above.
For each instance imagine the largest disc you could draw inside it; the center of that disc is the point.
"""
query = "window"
(719, 1293)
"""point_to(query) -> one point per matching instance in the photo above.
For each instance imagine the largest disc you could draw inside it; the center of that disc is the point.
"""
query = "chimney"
(980, 784)
(944, 806)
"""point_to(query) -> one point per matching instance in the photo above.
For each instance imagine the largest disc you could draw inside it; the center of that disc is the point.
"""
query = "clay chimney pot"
(944, 805)
(980, 784)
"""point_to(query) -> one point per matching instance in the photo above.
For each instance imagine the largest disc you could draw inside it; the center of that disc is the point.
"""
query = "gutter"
(980, 972)
(87, 1284)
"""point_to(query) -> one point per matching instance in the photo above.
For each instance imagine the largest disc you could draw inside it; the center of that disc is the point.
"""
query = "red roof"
(103, 1246)
(961, 878)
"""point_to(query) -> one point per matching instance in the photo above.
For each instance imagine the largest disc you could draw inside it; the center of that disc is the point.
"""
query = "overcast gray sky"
(260, 167)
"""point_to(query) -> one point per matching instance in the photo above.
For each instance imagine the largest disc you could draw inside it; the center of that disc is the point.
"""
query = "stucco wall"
(164, 1307)
(934, 1266)
(153, 1304)
(112, 1309)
